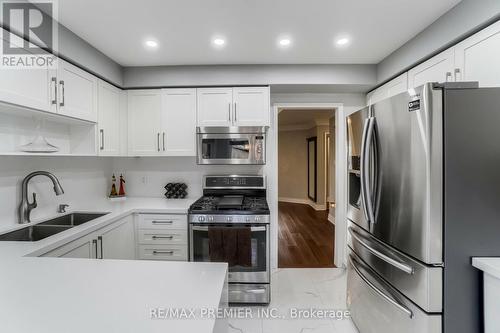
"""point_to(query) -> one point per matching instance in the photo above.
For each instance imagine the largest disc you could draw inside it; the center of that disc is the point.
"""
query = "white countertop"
(94, 295)
(489, 265)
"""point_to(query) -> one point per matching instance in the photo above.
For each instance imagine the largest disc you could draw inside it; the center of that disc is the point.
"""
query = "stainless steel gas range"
(230, 223)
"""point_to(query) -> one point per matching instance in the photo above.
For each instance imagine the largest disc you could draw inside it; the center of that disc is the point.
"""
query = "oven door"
(231, 148)
(256, 270)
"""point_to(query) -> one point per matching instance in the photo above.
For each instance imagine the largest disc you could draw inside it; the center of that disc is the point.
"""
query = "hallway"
(305, 238)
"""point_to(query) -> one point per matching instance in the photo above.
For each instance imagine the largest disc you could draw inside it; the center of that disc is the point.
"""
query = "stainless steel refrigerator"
(424, 198)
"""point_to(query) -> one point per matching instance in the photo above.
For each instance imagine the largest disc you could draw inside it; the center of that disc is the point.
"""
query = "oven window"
(225, 148)
(242, 247)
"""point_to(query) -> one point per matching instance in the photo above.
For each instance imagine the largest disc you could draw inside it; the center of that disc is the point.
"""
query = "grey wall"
(82, 53)
(345, 75)
(460, 21)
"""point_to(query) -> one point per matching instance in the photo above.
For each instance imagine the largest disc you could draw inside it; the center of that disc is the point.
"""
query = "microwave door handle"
(366, 170)
(362, 170)
(396, 263)
(390, 299)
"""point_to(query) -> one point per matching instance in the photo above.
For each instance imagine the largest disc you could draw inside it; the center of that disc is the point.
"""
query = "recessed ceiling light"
(342, 41)
(285, 42)
(150, 43)
(219, 42)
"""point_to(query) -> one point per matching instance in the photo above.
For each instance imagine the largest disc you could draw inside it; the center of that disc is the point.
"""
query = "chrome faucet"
(26, 207)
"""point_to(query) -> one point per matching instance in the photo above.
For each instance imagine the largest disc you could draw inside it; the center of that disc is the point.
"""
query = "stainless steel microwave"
(231, 145)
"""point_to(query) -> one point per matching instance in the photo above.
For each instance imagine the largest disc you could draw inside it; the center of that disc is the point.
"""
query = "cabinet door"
(144, 120)
(85, 247)
(251, 106)
(77, 92)
(477, 57)
(179, 122)
(108, 119)
(215, 106)
(437, 69)
(26, 87)
(391, 88)
(118, 240)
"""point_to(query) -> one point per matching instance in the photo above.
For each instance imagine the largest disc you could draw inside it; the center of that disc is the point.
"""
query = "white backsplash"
(84, 179)
(147, 176)
(87, 179)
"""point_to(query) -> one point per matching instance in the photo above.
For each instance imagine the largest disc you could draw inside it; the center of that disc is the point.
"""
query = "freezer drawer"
(422, 284)
(249, 293)
(377, 307)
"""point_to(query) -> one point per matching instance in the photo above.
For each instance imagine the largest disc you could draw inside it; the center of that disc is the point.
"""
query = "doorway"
(306, 188)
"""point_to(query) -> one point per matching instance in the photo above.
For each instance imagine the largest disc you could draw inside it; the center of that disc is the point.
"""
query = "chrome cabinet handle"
(458, 75)
(249, 291)
(102, 138)
(61, 84)
(448, 76)
(158, 140)
(163, 141)
(54, 82)
(94, 243)
(234, 111)
(391, 299)
(229, 112)
(162, 237)
(162, 222)
(99, 239)
(155, 252)
(396, 263)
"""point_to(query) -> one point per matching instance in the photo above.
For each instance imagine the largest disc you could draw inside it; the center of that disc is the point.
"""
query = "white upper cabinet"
(391, 88)
(26, 87)
(215, 106)
(144, 122)
(109, 119)
(251, 106)
(478, 57)
(77, 92)
(437, 69)
(242, 106)
(178, 137)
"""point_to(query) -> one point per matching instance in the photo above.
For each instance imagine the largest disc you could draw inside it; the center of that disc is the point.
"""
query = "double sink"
(51, 227)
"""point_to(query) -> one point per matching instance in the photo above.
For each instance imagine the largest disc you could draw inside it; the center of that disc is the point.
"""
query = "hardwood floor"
(305, 237)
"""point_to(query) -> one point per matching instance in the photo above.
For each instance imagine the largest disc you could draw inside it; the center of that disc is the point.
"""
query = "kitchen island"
(491, 290)
(44, 294)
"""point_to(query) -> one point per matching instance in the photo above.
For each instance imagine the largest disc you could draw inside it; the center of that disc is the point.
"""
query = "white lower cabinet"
(162, 237)
(115, 241)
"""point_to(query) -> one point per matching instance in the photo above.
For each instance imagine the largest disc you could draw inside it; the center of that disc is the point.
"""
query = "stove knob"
(210, 218)
(201, 218)
(229, 219)
(247, 219)
(257, 219)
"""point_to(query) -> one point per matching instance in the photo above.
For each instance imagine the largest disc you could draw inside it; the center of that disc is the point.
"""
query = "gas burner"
(255, 203)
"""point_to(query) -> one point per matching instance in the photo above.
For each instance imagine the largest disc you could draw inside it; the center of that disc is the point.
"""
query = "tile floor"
(301, 288)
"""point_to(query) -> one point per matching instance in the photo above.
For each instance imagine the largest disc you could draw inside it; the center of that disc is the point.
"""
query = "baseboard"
(314, 205)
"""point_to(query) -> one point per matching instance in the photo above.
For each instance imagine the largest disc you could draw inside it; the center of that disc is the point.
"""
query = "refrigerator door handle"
(392, 261)
(389, 298)
(365, 170)
(362, 170)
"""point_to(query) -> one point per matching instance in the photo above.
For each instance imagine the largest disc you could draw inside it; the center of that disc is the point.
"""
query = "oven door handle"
(205, 228)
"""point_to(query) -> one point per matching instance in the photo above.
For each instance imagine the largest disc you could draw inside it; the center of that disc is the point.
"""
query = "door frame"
(271, 170)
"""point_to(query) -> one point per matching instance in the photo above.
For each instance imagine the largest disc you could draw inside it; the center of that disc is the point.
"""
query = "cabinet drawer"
(155, 236)
(163, 252)
(157, 221)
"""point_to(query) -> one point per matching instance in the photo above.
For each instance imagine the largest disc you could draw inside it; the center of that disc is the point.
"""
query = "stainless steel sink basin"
(72, 219)
(48, 228)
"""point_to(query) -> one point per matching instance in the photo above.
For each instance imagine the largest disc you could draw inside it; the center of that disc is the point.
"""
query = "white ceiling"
(185, 28)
